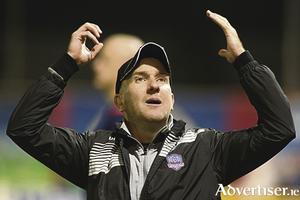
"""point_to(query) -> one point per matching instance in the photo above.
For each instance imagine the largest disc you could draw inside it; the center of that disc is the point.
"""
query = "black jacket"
(189, 165)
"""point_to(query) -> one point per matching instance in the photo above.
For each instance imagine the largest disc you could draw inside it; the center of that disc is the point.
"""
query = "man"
(118, 49)
(151, 155)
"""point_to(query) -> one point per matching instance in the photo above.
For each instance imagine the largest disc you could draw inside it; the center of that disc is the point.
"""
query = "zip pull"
(145, 147)
(121, 142)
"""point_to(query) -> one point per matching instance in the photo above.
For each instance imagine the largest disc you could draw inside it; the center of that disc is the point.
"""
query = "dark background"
(35, 33)
(191, 40)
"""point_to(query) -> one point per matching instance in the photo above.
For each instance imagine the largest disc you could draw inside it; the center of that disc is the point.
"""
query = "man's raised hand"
(77, 46)
(234, 45)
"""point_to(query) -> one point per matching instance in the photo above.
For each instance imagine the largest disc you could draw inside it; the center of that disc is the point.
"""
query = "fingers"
(96, 50)
(77, 46)
(220, 20)
(92, 28)
(234, 45)
(91, 31)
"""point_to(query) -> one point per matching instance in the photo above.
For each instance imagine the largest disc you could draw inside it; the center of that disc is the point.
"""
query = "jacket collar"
(176, 126)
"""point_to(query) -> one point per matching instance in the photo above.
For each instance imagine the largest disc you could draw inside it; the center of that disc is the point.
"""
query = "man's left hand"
(234, 45)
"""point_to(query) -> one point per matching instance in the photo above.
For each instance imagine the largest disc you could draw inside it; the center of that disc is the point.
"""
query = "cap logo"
(175, 161)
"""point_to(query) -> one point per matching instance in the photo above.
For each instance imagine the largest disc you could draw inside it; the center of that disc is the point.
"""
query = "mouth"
(153, 101)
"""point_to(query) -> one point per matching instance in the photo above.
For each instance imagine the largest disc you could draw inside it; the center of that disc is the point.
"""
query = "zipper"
(157, 159)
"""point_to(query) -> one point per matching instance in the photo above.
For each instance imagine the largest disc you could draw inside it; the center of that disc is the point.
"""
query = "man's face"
(146, 95)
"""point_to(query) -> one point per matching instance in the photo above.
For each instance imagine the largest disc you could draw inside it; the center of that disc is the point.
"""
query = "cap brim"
(148, 50)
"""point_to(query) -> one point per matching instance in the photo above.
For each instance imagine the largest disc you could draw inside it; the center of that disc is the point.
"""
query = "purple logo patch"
(175, 161)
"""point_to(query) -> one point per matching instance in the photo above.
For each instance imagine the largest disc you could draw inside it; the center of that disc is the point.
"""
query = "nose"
(153, 87)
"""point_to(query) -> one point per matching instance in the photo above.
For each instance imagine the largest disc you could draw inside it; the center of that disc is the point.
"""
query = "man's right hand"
(77, 47)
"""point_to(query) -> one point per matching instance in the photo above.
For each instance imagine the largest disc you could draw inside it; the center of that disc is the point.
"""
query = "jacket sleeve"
(61, 149)
(241, 151)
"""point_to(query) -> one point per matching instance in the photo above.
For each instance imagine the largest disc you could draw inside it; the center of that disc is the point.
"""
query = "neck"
(144, 133)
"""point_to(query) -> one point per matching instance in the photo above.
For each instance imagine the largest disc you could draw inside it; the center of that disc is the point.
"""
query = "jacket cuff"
(242, 60)
(66, 66)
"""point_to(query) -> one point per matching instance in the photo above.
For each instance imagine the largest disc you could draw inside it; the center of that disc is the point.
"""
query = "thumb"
(96, 50)
(223, 53)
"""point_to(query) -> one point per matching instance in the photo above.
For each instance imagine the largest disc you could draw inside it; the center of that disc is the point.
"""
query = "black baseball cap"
(148, 50)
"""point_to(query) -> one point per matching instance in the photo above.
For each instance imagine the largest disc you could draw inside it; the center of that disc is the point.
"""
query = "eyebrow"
(144, 72)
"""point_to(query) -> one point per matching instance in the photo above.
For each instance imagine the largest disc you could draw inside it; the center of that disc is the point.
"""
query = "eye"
(161, 79)
(140, 79)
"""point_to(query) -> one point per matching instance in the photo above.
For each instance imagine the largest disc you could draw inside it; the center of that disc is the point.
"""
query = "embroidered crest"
(175, 161)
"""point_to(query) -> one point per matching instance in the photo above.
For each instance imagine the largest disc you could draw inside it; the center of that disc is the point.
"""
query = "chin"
(157, 118)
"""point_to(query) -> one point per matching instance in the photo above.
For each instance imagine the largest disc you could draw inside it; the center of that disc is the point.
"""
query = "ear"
(173, 101)
(118, 102)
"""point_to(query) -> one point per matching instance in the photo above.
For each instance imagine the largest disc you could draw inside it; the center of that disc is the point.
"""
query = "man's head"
(148, 50)
(143, 90)
(117, 49)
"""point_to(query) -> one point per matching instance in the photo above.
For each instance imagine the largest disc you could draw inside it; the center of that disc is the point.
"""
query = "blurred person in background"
(117, 49)
(151, 155)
